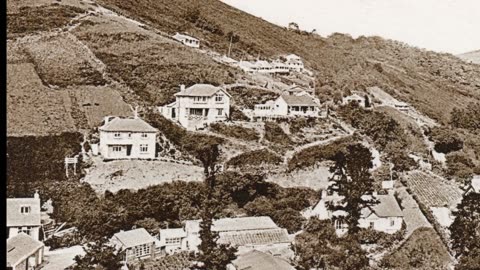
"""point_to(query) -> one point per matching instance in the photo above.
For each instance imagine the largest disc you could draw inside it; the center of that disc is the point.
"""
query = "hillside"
(472, 57)
(435, 83)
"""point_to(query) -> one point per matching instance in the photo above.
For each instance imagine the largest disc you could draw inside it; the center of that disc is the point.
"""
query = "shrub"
(275, 134)
(239, 132)
(255, 158)
(445, 140)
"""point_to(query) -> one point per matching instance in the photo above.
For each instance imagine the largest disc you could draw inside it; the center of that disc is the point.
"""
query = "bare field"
(137, 174)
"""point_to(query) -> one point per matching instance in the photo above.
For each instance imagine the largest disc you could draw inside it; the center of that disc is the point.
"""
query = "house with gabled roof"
(127, 138)
(288, 106)
(294, 62)
(354, 99)
(172, 240)
(134, 244)
(385, 216)
(298, 90)
(197, 106)
(24, 252)
(187, 40)
(474, 185)
(23, 216)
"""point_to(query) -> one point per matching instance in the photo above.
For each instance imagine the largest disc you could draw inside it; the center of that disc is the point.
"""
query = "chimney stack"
(182, 87)
(106, 120)
(135, 112)
(375, 194)
(36, 195)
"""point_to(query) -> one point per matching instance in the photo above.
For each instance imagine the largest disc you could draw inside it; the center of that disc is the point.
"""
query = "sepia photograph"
(242, 135)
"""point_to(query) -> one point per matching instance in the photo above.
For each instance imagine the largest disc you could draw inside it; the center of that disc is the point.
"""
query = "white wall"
(34, 232)
(134, 139)
(381, 224)
(190, 122)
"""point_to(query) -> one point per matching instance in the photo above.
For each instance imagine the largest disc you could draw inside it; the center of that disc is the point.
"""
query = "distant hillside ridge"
(472, 57)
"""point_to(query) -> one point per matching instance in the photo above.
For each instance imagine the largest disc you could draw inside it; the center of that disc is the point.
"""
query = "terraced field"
(433, 191)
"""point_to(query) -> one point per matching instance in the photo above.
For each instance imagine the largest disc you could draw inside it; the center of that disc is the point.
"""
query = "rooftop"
(254, 237)
(21, 247)
(235, 224)
(387, 206)
(133, 238)
(16, 218)
(178, 35)
(257, 260)
(172, 233)
(476, 183)
(200, 90)
(303, 100)
(128, 124)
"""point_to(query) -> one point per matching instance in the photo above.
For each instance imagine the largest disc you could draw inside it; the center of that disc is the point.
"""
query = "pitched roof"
(128, 124)
(254, 237)
(178, 35)
(387, 206)
(134, 238)
(355, 97)
(257, 260)
(243, 223)
(171, 233)
(20, 247)
(16, 218)
(201, 90)
(303, 100)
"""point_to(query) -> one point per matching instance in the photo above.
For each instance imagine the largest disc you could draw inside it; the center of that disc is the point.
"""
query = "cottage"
(257, 260)
(127, 138)
(246, 233)
(279, 67)
(401, 106)
(23, 216)
(288, 106)
(24, 252)
(262, 66)
(354, 99)
(247, 67)
(386, 216)
(474, 185)
(187, 40)
(172, 240)
(134, 244)
(294, 62)
(198, 105)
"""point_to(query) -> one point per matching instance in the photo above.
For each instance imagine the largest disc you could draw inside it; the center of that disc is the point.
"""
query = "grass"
(422, 250)
(235, 131)
(249, 97)
(275, 134)
(255, 158)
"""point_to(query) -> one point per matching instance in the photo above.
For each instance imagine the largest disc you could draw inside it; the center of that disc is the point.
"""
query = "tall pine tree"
(352, 180)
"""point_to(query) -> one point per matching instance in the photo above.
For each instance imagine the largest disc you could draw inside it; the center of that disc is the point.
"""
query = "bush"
(445, 140)
(239, 132)
(255, 158)
(275, 134)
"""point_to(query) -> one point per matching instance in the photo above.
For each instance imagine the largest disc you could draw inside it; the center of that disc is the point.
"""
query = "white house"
(279, 67)
(401, 106)
(23, 216)
(24, 252)
(245, 233)
(287, 106)
(134, 244)
(299, 90)
(127, 138)
(354, 99)
(386, 216)
(172, 240)
(187, 40)
(294, 62)
(198, 105)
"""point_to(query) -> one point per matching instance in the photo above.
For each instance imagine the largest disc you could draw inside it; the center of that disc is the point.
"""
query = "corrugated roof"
(128, 124)
(257, 260)
(20, 247)
(201, 90)
(387, 206)
(254, 237)
(303, 100)
(15, 218)
(135, 237)
(243, 223)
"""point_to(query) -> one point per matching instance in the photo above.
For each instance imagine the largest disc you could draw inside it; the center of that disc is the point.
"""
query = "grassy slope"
(435, 83)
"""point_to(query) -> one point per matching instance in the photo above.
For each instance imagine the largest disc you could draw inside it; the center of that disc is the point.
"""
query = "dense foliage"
(235, 131)
(468, 118)
(99, 255)
(445, 140)
(318, 247)
(255, 158)
(275, 134)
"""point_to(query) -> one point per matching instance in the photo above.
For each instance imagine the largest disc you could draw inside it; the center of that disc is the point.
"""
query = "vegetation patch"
(310, 156)
(422, 250)
(275, 134)
(235, 131)
(255, 158)
(246, 97)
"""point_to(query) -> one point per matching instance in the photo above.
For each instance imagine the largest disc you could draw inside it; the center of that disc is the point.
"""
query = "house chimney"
(324, 193)
(182, 87)
(135, 112)
(36, 195)
(375, 194)
(106, 120)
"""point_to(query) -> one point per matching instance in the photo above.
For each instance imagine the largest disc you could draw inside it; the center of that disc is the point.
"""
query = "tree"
(212, 256)
(99, 255)
(318, 247)
(352, 180)
(367, 102)
(465, 229)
